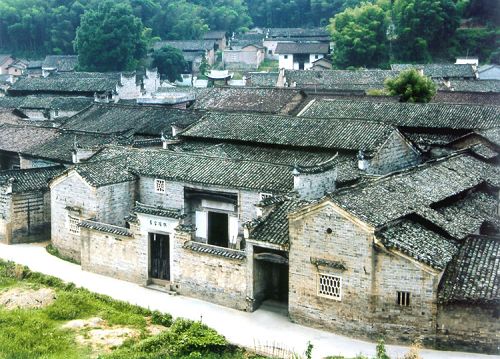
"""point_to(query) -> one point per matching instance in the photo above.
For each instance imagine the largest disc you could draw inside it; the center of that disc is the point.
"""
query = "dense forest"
(386, 30)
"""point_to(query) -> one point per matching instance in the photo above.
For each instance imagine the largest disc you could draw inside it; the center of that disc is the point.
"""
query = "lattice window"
(403, 299)
(73, 225)
(330, 286)
(159, 186)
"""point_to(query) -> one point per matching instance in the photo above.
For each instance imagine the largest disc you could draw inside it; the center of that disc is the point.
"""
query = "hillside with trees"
(366, 34)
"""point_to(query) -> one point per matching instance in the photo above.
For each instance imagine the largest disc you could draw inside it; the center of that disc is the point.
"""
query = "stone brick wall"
(468, 327)
(5, 214)
(128, 89)
(370, 280)
(315, 185)
(212, 278)
(113, 255)
(115, 202)
(66, 193)
(395, 154)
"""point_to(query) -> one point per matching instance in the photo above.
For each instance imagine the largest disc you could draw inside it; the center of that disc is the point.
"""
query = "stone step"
(161, 288)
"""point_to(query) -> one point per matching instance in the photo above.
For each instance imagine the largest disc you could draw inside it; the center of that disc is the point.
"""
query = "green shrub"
(72, 305)
(160, 318)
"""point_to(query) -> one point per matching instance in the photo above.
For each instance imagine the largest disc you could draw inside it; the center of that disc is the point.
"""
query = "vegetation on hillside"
(368, 33)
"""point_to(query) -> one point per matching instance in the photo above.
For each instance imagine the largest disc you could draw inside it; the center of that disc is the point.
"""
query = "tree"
(169, 62)
(360, 37)
(411, 86)
(110, 38)
(423, 28)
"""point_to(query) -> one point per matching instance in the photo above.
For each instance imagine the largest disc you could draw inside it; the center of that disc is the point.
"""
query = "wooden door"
(159, 245)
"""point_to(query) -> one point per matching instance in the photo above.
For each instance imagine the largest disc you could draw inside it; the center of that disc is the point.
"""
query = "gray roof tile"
(34, 179)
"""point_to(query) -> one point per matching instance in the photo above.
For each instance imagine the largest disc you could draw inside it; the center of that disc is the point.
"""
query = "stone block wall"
(370, 280)
(113, 255)
(315, 185)
(70, 195)
(395, 154)
(209, 277)
(115, 202)
(468, 327)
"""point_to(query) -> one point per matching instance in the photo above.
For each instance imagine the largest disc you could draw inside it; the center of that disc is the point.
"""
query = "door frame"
(170, 247)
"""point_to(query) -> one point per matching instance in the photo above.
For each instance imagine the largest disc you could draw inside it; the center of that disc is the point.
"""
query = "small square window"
(403, 299)
(330, 286)
(316, 57)
(159, 186)
(286, 56)
(73, 225)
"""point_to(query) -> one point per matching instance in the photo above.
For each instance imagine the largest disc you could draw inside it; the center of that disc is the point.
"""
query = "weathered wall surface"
(209, 277)
(70, 196)
(468, 327)
(115, 202)
(113, 255)
(370, 281)
(394, 155)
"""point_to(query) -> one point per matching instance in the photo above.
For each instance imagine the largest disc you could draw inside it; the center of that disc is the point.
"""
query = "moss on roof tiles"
(34, 179)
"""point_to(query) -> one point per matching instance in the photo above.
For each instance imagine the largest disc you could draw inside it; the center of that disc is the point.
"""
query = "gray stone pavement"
(262, 327)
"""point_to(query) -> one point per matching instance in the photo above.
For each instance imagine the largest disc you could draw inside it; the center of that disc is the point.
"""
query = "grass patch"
(31, 334)
(269, 65)
(55, 252)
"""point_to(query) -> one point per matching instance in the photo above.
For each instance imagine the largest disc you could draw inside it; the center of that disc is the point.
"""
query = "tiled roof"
(484, 151)
(263, 100)
(440, 70)
(415, 240)
(35, 179)
(296, 32)
(215, 250)
(103, 173)
(62, 63)
(214, 35)
(292, 131)
(431, 115)
(104, 227)
(491, 134)
(7, 116)
(140, 119)
(77, 82)
(464, 216)
(254, 153)
(472, 275)
(158, 211)
(302, 48)
(191, 168)
(186, 45)
(18, 138)
(396, 196)
(274, 227)
(62, 103)
(59, 148)
(485, 98)
(471, 86)
(339, 79)
(263, 79)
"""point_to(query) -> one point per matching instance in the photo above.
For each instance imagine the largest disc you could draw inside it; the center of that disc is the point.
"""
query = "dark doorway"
(270, 275)
(159, 245)
(218, 229)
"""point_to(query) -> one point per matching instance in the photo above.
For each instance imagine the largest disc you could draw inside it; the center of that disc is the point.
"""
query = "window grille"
(73, 225)
(403, 299)
(330, 286)
(159, 186)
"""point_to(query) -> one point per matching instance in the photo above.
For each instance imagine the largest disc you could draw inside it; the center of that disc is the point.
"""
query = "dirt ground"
(25, 298)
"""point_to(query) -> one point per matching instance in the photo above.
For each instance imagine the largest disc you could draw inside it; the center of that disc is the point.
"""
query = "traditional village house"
(25, 204)
(193, 51)
(218, 37)
(246, 57)
(59, 63)
(5, 61)
(46, 108)
(274, 36)
(300, 55)
(388, 257)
